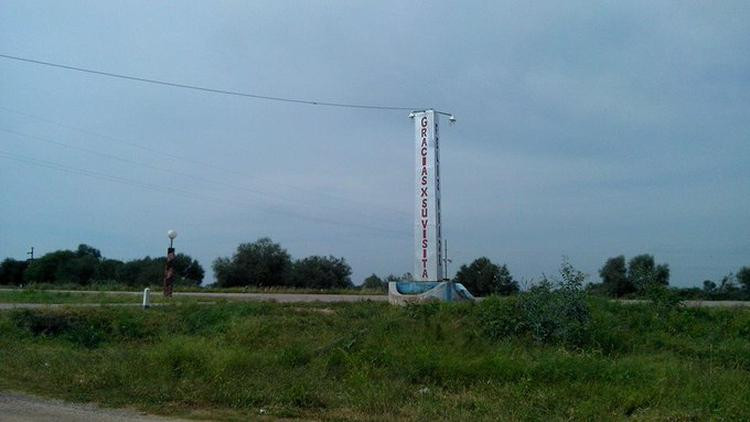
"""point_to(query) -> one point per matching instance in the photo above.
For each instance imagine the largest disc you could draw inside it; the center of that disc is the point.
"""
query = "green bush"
(551, 312)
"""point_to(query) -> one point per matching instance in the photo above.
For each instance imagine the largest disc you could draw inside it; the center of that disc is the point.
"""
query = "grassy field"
(372, 361)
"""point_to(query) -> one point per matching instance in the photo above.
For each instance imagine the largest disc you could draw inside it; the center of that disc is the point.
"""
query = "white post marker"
(146, 298)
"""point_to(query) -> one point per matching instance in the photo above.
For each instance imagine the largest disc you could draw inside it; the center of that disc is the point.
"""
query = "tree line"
(633, 278)
(264, 263)
(86, 265)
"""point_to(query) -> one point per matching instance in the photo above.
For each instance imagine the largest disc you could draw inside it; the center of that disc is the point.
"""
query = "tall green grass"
(370, 361)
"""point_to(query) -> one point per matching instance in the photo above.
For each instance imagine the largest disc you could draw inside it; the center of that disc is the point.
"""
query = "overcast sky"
(585, 129)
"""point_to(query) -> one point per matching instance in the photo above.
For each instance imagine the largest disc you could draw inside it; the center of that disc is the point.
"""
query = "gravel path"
(22, 408)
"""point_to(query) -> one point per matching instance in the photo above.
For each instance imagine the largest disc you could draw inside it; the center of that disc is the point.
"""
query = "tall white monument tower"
(428, 253)
(430, 282)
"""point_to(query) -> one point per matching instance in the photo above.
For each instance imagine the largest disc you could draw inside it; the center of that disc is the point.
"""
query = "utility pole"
(31, 254)
(446, 261)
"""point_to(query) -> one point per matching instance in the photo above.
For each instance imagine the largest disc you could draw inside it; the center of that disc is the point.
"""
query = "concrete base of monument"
(403, 292)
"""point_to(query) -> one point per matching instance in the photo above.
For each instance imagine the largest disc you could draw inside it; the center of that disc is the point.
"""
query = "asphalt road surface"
(311, 297)
(23, 408)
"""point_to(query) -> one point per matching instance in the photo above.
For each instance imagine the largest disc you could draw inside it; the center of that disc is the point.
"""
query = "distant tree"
(374, 282)
(483, 278)
(320, 272)
(226, 273)
(11, 271)
(65, 266)
(407, 276)
(107, 269)
(150, 271)
(86, 250)
(643, 272)
(262, 263)
(709, 286)
(189, 270)
(52, 267)
(727, 286)
(615, 278)
(86, 264)
(743, 277)
(392, 277)
(129, 273)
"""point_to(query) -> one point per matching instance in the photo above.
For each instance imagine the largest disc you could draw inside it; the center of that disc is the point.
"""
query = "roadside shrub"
(77, 328)
(499, 318)
(556, 311)
(551, 312)
(663, 299)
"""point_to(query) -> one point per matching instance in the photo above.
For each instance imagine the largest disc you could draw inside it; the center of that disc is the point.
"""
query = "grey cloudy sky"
(586, 129)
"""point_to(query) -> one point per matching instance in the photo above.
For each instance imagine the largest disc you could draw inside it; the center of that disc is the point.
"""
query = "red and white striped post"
(169, 270)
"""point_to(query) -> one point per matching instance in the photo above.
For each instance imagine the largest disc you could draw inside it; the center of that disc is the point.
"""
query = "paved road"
(286, 297)
(257, 297)
(314, 297)
(698, 303)
(22, 408)
(4, 306)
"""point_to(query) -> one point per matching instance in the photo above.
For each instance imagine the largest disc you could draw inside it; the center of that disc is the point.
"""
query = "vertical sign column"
(427, 236)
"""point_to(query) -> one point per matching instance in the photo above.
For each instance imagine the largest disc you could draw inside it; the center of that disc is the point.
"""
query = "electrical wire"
(165, 189)
(206, 89)
(188, 160)
(168, 171)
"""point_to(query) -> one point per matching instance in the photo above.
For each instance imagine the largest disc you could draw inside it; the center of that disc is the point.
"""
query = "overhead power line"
(208, 165)
(181, 192)
(169, 171)
(206, 89)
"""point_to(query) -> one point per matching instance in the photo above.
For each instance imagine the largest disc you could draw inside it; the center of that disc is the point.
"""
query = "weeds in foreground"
(486, 361)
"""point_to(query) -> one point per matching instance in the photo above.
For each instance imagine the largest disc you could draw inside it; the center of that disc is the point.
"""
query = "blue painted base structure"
(403, 292)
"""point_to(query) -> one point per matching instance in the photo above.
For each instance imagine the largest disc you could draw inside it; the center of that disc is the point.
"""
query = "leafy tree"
(709, 286)
(11, 271)
(86, 250)
(727, 286)
(226, 273)
(392, 277)
(149, 271)
(743, 277)
(407, 276)
(374, 282)
(107, 269)
(614, 277)
(643, 272)
(65, 266)
(49, 268)
(86, 264)
(483, 278)
(189, 270)
(129, 272)
(320, 272)
(262, 263)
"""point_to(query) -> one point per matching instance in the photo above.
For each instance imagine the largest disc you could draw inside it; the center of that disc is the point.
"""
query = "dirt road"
(22, 408)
